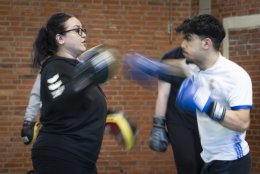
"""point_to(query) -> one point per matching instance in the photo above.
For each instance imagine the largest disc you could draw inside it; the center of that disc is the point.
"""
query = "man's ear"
(59, 39)
(207, 43)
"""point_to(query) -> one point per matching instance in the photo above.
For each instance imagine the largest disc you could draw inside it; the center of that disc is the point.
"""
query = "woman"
(72, 122)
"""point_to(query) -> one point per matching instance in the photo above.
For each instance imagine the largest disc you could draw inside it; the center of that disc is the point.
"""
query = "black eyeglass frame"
(80, 31)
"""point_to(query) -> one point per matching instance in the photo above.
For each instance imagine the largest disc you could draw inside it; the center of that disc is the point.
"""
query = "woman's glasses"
(80, 31)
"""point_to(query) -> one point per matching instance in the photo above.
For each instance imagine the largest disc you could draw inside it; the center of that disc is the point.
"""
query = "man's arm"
(162, 98)
(180, 67)
(192, 97)
(238, 120)
(158, 138)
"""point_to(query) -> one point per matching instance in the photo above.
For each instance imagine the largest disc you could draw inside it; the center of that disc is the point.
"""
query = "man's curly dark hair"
(204, 26)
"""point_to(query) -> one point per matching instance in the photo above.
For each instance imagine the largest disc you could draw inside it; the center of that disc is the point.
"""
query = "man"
(221, 95)
(181, 126)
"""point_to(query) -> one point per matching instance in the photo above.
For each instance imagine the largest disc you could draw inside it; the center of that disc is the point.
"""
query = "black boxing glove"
(27, 132)
(158, 138)
(98, 67)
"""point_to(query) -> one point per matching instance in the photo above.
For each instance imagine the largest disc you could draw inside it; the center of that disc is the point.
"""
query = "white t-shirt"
(232, 87)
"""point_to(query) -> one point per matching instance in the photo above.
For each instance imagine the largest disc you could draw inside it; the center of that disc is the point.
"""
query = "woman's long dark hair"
(45, 43)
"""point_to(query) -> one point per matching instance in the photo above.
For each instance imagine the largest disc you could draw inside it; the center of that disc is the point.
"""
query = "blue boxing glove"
(141, 63)
(141, 69)
(192, 97)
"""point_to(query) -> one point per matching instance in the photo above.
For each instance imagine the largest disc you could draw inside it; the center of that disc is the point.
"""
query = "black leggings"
(45, 162)
(186, 148)
(242, 165)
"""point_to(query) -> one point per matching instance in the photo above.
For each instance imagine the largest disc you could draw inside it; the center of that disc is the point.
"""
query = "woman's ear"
(59, 39)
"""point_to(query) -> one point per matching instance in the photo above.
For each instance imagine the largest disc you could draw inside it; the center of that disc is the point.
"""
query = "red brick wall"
(140, 26)
(247, 55)
(229, 8)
